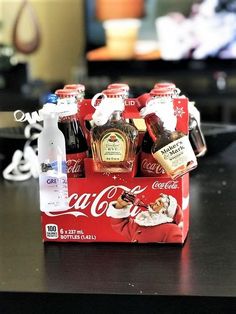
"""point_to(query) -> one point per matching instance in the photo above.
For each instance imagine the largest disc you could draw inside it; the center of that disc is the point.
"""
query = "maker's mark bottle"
(171, 148)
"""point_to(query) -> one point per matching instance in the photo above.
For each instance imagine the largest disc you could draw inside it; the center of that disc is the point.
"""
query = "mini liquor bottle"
(53, 186)
(172, 149)
(113, 140)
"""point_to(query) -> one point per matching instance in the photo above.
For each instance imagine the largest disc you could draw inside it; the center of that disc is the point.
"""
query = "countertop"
(199, 277)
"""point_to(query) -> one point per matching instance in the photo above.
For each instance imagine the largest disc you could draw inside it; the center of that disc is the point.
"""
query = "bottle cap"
(168, 85)
(161, 92)
(113, 92)
(78, 87)
(64, 93)
(119, 85)
(52, 99)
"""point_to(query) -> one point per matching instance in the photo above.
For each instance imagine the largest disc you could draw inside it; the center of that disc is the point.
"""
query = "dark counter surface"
(124, 278)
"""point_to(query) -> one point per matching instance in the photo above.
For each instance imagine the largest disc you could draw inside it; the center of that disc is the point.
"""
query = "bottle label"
(176, 156)
(75, 165)
(67, 107)
(113, 147)
(53, 186)
(54, 167)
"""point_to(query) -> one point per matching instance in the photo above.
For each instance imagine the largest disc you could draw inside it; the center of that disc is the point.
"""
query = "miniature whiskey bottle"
(171, 148)
(113, 140)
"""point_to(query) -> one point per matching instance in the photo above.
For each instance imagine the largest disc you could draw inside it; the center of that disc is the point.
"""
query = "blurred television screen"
(166, 30)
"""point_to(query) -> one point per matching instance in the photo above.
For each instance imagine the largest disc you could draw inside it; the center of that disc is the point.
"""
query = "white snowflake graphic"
(179, 111)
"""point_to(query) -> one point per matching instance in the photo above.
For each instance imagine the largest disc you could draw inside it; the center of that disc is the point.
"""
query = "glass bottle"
(76, 145)
(113, 140)
(196, 135)
(85, 124)
(149, 167)
(53, 187)
(171, 148)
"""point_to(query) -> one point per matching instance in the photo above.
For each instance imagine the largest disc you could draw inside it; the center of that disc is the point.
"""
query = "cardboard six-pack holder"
(92, 215)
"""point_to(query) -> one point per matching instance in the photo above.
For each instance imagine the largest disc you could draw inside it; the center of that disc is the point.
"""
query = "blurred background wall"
(62, 32)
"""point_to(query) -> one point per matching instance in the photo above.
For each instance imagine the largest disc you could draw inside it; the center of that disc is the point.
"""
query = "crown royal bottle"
(113, 140)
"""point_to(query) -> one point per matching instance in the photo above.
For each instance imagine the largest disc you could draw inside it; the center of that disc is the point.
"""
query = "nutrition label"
(53, 232)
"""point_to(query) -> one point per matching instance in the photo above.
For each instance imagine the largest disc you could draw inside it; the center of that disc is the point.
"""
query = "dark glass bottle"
(76, 144)
(171, 149)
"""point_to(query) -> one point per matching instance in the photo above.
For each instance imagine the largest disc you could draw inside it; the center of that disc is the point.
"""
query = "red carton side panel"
(92, 216)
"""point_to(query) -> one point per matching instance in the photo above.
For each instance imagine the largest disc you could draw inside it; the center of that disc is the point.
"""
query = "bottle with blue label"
(53, 186)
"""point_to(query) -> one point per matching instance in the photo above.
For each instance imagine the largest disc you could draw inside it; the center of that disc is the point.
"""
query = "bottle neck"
(116, 116)
(50, 121)
(154, 126)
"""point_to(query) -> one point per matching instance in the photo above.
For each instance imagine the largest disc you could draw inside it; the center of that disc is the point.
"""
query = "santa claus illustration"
(161, 221)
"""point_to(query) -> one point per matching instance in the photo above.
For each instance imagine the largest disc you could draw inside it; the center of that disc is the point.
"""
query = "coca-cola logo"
(169, 185)
(98, 204)
(74, 166)
(151, 166)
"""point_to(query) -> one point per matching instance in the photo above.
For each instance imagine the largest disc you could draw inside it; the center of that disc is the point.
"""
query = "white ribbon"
(163, 108)
(105, 108)
(24, 163)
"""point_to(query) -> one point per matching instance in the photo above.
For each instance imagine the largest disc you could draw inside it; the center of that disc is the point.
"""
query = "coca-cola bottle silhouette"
(76, 145)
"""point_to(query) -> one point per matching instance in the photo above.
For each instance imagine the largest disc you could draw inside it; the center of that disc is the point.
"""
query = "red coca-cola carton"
(123, 207)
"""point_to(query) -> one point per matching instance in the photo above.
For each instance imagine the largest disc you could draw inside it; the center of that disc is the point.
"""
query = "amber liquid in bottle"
(114, 145)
